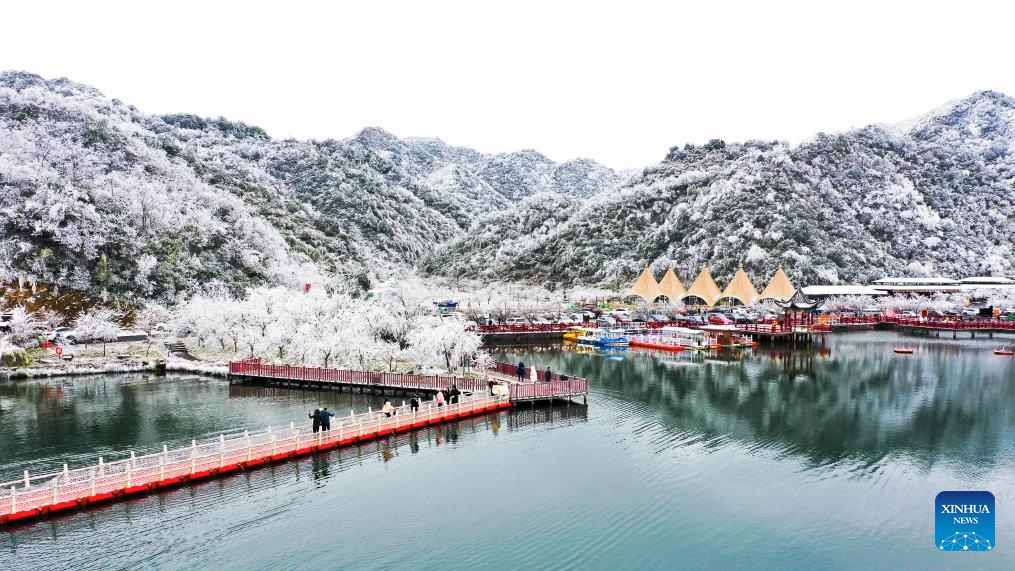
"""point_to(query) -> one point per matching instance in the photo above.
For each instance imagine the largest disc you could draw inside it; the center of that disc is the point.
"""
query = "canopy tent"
(704, 287)
(741, 288)
(645, 287)
(780, 288)
(671, 286)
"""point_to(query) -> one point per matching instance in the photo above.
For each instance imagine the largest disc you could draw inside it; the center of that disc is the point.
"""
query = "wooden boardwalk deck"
(560, 385)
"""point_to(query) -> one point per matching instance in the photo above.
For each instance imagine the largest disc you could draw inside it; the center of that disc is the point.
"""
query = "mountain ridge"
(934, 196)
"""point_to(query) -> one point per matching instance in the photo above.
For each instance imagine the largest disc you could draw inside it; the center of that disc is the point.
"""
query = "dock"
(503, 375)
(35, 496)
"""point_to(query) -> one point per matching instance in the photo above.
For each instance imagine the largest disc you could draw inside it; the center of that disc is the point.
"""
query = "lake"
(825, 457)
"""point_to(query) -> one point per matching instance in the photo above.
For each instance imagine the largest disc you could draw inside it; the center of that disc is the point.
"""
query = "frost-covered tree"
(98, 323)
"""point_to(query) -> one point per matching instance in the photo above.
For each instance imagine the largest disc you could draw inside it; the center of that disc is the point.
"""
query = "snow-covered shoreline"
(172, 366)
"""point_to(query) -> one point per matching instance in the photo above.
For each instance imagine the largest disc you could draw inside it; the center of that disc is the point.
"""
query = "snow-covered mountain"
(97, 195)
(927, 197)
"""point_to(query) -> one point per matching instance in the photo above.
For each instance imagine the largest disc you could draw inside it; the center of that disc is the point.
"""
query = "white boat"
(603, 337)
(674, 339)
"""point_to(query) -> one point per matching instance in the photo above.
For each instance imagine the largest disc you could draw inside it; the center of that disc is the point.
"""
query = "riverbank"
(118, 357)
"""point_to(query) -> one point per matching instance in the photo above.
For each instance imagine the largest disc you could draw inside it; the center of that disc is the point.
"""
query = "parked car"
(908, 314)
(692, 320)
(970, 312)
(56, 333)
(72, 336)
(719, 319)
(659, 318)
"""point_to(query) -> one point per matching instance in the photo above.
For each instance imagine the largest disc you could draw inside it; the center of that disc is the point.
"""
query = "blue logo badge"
(964, 521)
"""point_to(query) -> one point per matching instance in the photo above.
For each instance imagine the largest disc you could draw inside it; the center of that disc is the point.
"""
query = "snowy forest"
(98, 196)
(930, 197)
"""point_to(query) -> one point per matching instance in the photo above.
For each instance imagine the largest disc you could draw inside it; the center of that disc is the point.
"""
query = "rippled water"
(824, 458)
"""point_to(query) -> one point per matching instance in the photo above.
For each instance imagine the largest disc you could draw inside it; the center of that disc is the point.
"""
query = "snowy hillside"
(97, 195)
(934, 196)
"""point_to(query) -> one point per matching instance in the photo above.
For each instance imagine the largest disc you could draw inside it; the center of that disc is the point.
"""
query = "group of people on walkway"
(545, 376)
(321, 418)
(450, 397)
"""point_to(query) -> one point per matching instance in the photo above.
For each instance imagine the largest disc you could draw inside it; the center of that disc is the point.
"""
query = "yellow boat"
(572, 333)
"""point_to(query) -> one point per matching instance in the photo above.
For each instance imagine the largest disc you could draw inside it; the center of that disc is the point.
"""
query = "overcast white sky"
(618, 82)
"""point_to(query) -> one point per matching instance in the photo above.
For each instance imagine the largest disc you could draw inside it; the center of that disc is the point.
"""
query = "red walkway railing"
(958, 325)
(254, 368)
(68, 489)
(567, 386)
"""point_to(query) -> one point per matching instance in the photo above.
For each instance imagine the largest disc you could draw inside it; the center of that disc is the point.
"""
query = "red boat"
(1004, 352)
(903, 350)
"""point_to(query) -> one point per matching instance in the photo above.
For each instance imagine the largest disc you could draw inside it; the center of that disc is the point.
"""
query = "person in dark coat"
(454, 392)
(549, 375)
(521, 371)
(326, 419)
(316, 415)
(414, 402)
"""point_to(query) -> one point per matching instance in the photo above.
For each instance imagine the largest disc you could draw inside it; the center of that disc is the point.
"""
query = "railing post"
(165, 454)
(28, 484)
(297, 446)
(102, 468)
(272, 434)
(133, 460)
(66, 474)
(222, 450)
(56, 492)
(247, 436)
(14, 502)
(126, 477)
(193, 455)
(162, 468)
(93, 483)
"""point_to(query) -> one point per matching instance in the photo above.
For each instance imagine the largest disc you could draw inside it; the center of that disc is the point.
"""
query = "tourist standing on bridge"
(439, 399)
(521, 371)
(414, 402)
(549, 375)
(326, 419)
(387, 409)
(316, 415)
(454, 392)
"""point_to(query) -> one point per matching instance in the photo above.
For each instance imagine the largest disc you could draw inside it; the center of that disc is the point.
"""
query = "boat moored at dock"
(603, 337)
(674, 339)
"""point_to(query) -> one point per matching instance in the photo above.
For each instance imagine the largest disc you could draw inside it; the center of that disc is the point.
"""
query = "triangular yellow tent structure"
(741, 288)
(646, 287)
(704, 287)
(671, 286)
(780, 288)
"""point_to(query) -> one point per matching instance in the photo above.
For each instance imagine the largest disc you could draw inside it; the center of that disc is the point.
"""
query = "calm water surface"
(811, 459)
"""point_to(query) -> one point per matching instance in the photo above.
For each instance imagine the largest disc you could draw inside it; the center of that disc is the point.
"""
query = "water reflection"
(851, 397)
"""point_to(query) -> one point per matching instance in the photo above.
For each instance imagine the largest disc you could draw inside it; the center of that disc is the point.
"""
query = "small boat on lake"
(727, 337)
(904, 350)
(674, 339)
(1004, 351)
(572, 333)
(603, 337)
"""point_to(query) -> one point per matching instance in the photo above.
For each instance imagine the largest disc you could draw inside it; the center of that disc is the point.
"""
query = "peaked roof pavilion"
(671, 286)
(645, 287)
(704, 287)
(780, 288)
(741, 288)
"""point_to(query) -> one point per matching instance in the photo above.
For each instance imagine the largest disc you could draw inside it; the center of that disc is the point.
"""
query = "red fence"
(779, 329)
(254, 368)
(962, 325)
(553, 389)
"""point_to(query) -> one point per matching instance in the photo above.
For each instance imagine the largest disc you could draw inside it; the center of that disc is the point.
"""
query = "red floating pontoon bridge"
(41, 495)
